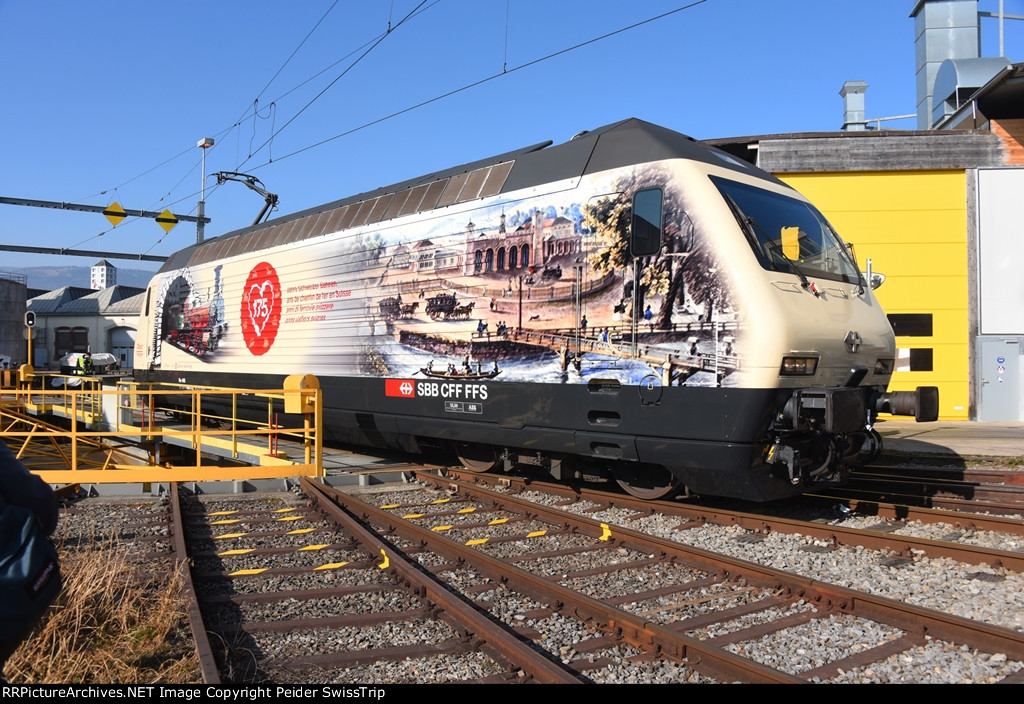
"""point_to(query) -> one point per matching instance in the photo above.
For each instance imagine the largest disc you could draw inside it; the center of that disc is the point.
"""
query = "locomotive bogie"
(685, 323)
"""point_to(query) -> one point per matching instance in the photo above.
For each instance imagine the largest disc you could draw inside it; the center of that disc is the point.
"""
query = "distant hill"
(49, 278)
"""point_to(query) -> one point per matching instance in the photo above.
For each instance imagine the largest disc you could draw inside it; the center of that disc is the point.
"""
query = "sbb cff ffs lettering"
(452, 390)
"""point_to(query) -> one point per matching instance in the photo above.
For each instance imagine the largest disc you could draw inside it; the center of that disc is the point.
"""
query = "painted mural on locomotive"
(535, 288)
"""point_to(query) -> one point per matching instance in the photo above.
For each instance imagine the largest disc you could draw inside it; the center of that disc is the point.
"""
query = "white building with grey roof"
(76, 319)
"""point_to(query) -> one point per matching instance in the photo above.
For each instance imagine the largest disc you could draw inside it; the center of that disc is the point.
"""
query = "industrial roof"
(75, 300)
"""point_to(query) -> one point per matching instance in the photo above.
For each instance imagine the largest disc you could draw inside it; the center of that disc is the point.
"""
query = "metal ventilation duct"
(853, 106)
(958, 79)
(943, 29)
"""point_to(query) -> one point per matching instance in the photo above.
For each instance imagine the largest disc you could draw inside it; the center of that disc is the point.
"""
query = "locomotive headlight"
(884, 365)
(798, 366)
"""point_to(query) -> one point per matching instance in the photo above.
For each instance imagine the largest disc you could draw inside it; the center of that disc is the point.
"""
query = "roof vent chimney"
(943, 29)
(853, 106)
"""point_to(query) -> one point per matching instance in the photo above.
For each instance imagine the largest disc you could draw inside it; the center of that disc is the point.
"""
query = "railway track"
(628, 600)
(880, 527)
(932, 483)
(680, 602)
(294, 590)
(586, 584)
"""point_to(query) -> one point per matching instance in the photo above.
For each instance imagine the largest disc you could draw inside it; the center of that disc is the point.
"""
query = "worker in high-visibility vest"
(85, 365)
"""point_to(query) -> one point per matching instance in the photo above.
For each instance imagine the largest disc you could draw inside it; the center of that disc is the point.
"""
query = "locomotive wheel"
(476, 458)
(646, 481)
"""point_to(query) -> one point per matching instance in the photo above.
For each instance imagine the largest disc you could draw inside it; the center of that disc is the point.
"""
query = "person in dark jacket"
(22, 488)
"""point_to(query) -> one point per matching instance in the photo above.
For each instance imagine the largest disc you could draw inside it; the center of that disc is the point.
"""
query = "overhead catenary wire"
(294, 52)
(244, 116)
(504, 72)
(366, 48)
(415, 11)
(371, 44)
(363, 51)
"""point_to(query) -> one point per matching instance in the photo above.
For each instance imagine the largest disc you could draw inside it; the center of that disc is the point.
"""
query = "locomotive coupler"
(834, 410)
(785, 454)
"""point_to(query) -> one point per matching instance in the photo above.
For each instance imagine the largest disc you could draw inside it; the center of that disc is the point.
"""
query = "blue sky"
(105, 101)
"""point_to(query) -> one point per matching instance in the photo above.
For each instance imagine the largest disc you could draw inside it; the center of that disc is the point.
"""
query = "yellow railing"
(135, 433)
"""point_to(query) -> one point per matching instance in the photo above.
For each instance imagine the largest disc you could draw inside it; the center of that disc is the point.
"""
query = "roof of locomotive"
(630, 141)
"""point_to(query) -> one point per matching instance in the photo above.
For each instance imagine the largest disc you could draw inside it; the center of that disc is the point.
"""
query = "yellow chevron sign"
(115, 214)
(167, 220)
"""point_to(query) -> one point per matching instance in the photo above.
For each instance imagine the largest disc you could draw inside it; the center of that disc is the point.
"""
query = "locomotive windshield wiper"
(764, 241)
(862, 282)
(774, 246)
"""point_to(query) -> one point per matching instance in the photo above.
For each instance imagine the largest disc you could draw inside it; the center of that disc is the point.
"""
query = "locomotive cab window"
(788, 235)
(645, 238)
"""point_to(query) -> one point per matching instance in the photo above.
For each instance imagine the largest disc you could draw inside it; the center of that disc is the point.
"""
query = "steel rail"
(458, 644)
(967, 473)
(491, 635)
(937, 488)
(904, 512)
(635, 629)
(836, 535)
(207, 662)
(934, 501)
(905, 616)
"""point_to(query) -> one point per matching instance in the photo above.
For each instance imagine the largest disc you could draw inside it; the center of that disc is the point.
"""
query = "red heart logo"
(261, 303)
(261, 308)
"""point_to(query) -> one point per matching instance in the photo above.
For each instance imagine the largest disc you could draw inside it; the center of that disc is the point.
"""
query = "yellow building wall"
(913, 227)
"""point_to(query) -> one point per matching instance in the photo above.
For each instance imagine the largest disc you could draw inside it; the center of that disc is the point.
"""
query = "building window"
(66, 339)
(79, 339)
(915, 360)
(61, 342)
(911, 324)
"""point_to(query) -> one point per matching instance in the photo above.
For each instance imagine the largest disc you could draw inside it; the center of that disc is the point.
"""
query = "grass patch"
(116, 620)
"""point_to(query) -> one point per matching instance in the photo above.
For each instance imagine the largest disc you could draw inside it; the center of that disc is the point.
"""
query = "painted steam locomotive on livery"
(629, 304)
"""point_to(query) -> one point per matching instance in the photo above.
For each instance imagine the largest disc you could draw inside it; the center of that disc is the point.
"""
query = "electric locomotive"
(629, 304)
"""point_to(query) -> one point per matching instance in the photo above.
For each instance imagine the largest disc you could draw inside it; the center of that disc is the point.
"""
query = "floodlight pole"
(204, 144)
